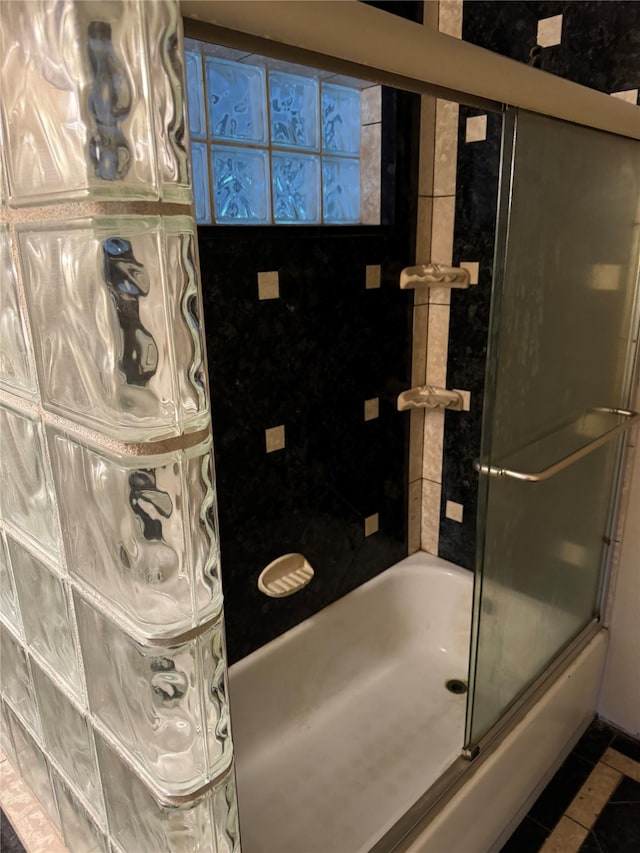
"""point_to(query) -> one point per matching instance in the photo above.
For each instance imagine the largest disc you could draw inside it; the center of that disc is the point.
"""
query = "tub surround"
(311, 453)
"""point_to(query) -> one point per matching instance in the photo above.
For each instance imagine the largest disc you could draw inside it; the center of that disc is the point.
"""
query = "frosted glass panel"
(236, 100)
(341, 189)
(293, 105)
(296, 188)
(241, 185)
(340, 119)
(562, 326)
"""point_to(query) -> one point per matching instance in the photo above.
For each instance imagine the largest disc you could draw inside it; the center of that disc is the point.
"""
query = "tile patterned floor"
(592, 804)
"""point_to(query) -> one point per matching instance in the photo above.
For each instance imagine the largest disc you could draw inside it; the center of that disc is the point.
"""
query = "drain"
(456, 685)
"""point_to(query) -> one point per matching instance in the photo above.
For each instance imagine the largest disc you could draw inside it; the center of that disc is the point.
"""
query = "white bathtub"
(343, 722)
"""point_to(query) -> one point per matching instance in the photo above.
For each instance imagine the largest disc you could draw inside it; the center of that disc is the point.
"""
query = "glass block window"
(273, 143)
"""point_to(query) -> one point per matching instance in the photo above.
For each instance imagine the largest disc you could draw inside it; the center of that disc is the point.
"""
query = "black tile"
(9, 841)
(309, 360)
(626, 745)
(594, 742)
(528, 837)
(617, 829)
(554, 800)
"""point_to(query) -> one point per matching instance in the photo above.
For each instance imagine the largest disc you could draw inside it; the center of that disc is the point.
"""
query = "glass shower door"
(558, 391)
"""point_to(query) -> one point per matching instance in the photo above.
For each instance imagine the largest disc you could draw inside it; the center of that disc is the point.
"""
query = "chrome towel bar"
(631, 418)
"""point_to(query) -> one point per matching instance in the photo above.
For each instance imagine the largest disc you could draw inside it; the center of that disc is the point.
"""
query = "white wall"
(620, 694)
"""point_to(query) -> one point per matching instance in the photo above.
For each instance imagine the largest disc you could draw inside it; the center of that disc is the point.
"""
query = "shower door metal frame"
(516, 710)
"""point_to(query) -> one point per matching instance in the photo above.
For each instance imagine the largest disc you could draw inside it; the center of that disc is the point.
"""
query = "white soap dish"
(284, 576)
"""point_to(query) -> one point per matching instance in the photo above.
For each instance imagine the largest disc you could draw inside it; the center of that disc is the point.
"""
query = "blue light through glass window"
(269, 146)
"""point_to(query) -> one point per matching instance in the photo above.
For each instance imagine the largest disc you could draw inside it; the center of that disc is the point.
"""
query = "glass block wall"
(114, 679)
(271, 146)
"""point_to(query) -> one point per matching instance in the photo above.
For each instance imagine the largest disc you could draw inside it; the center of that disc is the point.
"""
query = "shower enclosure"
(559, 388)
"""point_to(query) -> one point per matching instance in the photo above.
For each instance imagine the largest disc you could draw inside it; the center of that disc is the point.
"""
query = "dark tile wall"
(309, 360)
(600, 48)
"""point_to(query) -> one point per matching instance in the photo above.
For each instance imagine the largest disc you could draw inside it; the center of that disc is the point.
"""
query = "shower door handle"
(631, 418)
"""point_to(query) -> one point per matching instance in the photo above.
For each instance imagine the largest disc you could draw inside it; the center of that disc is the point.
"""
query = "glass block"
(9, 607)
(142, 824)
(201, 192)
(163, 29)
(293, 103)
(166, 705)
(26, 493)
(47, 627)
(141, 531)
(15, 367)
(236, 100)
(296, 188)
(340, 119)
(341, 189)
(33, 767)
(120, 344)
(80, 832)
(6, 740)
(3, 171)
(68, 738)
(240, 185)
(195, 95)
(78, 115)
(17, 686)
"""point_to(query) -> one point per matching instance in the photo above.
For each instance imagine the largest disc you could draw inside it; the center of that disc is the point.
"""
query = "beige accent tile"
(450, 18)
(444, 208)
(371, 105)
(423, 238)
(419, 345)
(629, 95)
(268, 285)
(433, 437)
(476, 129)
(371, 409)
(454, 511)
(446, 148)
(567, 837)
(594, 795)
(474, 270)
(415, 509)
(440, 296)
(372, 277)
(438, 345)
(416, 443)
(371, 524)
(430, 526)
(32, 825)
(627, 766)
(550, 31)
(466, 399)
(427, 143)
(370, 165)
(430, 14)
(274, 438)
